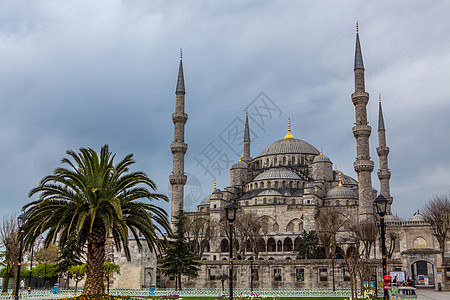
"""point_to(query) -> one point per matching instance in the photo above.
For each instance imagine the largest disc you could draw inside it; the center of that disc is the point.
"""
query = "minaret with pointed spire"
(363, 165)
(383, 174)
(179, 147)
(246, 157)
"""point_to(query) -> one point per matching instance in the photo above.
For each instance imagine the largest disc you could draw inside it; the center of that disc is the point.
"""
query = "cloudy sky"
(88, 73)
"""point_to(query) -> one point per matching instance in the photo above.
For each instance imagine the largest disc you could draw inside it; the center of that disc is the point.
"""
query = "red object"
(387, 282)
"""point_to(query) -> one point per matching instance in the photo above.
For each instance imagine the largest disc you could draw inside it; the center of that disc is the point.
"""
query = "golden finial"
(357, 27)
(379, 98)
(239, 158)
(335, 167)
(181, 54)
(289, 135)
(321, 152)
(340, 179)
(214, 184)
(246, 111)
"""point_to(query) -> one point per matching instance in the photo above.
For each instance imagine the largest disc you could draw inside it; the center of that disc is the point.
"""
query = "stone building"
(287, 189)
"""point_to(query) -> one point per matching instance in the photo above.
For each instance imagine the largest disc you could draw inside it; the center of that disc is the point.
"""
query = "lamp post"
(252, 273)
(21, 220)
(333, 256)
(381, 204)
(230, 212)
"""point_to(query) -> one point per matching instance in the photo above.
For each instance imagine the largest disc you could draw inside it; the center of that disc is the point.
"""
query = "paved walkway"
(428, 294)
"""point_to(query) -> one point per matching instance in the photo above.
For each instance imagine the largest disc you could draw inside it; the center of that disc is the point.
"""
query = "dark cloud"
(82, 74)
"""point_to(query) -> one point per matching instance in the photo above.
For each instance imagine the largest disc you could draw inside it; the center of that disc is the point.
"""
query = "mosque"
(289, 188)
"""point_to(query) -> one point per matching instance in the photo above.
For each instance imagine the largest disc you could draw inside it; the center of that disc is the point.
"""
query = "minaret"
(363, 165)
(383, 174)
(246, 158)
(178, 147)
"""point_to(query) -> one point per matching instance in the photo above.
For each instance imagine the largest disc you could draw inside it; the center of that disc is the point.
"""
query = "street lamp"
(381, 205)
(230, 212)
(252, 274)
(333, 256)
(21, 220)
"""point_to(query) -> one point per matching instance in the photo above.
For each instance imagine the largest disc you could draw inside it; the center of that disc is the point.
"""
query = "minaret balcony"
(361, 165)
(384, 174)
(179, 118)
(177, 179)
(383, 151)
(362, 130)
(360, 98)
(178, 147)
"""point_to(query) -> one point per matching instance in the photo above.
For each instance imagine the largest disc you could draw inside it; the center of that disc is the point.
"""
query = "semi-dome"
(289, 146)
(269, 192)
(239, 165)
(278, 173)
(341, 192)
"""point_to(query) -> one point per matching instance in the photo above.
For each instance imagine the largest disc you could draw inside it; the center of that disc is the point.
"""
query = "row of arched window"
(281, 161)
(262, 246)
(275, 184)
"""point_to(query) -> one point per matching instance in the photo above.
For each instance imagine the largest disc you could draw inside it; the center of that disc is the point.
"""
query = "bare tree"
(366, 233)
(437, 213)
(248, 231)
(392, 237)
(9, 238)
(200, 232)
(329, 224)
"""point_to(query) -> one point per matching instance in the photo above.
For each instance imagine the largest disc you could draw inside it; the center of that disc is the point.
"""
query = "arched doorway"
(423, 273)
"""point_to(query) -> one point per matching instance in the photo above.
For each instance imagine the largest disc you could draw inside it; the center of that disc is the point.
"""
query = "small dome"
(417, 217)
(206, 200)
(289, 146)
(392, 218)
(346, 180)
(269, 192)
(277, 173)
(321, 158)
(217, 191)
(240, 165)
(341, 192)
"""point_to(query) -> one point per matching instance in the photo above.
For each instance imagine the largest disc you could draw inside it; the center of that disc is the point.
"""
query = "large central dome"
(289, 146)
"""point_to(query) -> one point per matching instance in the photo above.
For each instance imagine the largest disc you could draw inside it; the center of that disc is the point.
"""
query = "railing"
(187, 292)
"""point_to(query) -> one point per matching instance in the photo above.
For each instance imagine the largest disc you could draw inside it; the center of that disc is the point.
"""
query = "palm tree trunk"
(95, 259)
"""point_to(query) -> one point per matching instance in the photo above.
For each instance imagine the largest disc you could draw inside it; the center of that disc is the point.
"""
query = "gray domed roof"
(277, 173)
(392, 218)
(291, 146)
(269, 192)
(346, 180)
(321, 158)
(417, 217)
(341, 192)
(206, 200)
(240, 165)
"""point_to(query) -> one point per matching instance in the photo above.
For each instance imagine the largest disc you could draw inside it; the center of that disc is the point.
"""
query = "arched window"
(298, 184)
(224, 246)
(338, 202)
(420, 242)
(261, 185)
(293, 160)
(274, 161)
(279, 246)
(347, 202)
(276, 184)
(284, 160)
(205, 246)
(275, 200)
(256, 185)
(246, 203)
(287, 245)
(264, 200)
(268, 184)
(283, 183)
(271, 246)
(297, 242)
(261, 245)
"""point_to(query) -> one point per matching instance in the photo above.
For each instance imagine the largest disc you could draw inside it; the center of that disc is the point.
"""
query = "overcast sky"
(88, 73)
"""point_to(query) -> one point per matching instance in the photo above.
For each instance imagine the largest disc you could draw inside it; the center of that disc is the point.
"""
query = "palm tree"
(97, 199)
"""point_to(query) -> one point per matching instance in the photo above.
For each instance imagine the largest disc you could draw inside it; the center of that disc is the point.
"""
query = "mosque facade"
(289, 188)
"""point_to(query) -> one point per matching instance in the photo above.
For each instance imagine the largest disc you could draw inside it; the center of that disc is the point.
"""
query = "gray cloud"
(82, 74)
